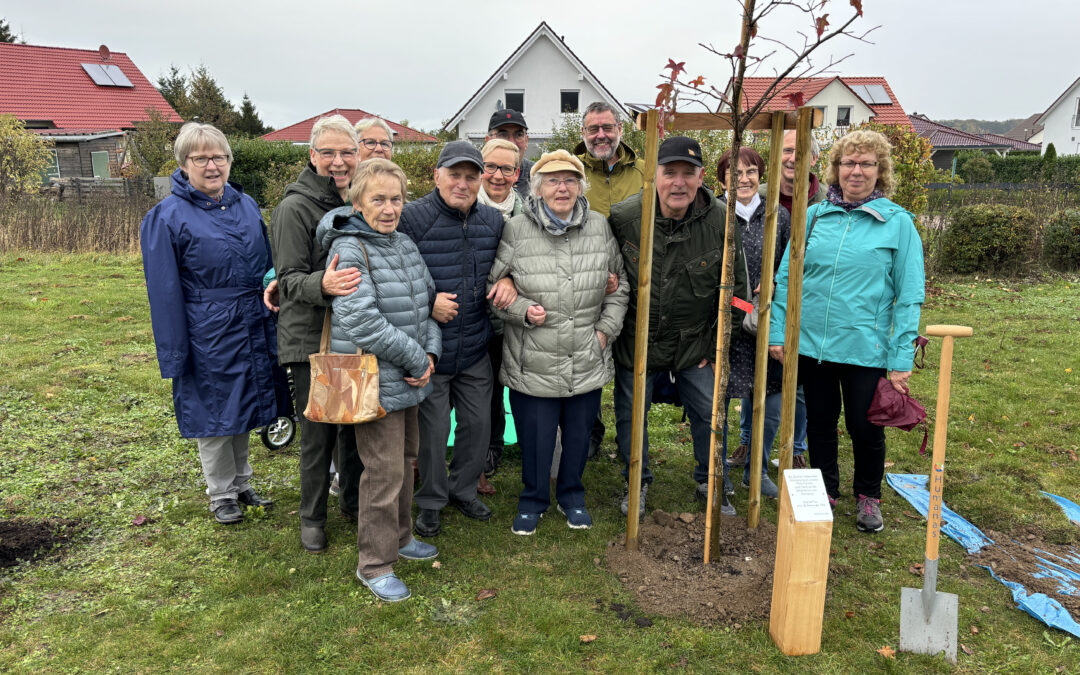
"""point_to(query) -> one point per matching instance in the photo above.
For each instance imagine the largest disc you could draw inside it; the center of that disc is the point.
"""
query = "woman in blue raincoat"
(205, 251)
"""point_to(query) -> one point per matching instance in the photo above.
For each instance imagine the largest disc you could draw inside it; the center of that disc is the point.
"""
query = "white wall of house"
(836, 96)
(1061, 124)
(542, 73)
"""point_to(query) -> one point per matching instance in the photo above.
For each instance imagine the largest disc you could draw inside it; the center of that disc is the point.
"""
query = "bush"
(1061, 241)
(988, 238)
(276, 179)
(418, 161)
(253, 161)
(977, 170)
(23, 158)
(911, 165)
(1028, 167)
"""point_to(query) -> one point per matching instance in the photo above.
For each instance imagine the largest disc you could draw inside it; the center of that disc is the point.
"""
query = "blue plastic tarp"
(912, 487)
(1066, 571)
(1072, 511)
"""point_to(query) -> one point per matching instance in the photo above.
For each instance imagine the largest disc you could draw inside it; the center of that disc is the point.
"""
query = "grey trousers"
(225, 465)
(468, 393)
(384, 520)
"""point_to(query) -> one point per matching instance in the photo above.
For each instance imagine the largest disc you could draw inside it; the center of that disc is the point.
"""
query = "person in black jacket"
(457, 238)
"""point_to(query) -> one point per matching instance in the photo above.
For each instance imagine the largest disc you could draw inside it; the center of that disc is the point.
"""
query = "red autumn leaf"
(820, 24)
(795, 99)
(486, 594)
(753, 30)
(665, 93)
(697, 81)
(740, 53)
(138, 520)
(857, 4)
(849, 614)
(675, 68)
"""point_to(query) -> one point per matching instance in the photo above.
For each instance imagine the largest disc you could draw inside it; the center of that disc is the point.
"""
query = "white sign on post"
(806, 491)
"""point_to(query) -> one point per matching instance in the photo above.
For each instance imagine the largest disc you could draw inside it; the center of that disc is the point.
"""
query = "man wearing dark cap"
(457, 238)
(688, 252)
(509, 125)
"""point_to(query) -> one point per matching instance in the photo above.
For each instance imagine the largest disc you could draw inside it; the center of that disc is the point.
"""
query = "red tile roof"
(754, 88)
(48, 83)
(1005, 140)
(301, 131)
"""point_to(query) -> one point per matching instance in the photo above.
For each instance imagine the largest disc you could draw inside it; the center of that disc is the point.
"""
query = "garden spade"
(927, 617)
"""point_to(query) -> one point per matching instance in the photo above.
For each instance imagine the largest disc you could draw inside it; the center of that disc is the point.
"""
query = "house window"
(843, 116)
(52, 169)
(1076, 117)
(100, 161)
(568, 101)
(515, 100)
(824, 114)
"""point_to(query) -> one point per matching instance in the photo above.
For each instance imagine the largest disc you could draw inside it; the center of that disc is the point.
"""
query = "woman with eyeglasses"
(863, 287)
(205, 252)
(558, 332)
(375, 138)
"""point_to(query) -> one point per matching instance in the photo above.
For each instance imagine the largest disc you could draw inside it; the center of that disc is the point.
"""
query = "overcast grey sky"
(420, 60)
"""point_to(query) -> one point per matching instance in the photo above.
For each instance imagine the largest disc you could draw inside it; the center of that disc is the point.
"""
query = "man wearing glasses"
(612, 167)
(509, 125)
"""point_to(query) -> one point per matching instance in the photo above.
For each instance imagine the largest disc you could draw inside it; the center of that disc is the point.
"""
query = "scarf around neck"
(746, 211)
(506, 206)
(836, 197)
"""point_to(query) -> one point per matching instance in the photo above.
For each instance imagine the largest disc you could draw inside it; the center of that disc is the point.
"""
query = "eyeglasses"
(554, 182)
(849, 165)
(329, 155)
(201, 160)
(371, 144)
(506, 169)
(507, 135)
(594, 129)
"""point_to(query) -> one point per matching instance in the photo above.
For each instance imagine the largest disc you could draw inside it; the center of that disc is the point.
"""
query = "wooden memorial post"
(688, 122)
(801, 569)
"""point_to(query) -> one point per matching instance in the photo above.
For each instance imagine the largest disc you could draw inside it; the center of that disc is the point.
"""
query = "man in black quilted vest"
(457, 238)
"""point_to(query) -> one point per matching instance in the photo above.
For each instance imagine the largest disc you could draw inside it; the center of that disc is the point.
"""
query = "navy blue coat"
(204, 262)
(458, 249)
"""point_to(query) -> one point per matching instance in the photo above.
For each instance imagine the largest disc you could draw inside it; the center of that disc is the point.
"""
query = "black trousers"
(827, 385)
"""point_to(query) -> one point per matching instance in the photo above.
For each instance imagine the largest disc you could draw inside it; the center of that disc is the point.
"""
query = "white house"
(543, 79)
(1061, 122)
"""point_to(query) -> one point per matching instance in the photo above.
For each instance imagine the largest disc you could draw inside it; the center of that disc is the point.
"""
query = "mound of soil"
(668, 577)
(1013, 557)
(23, 539)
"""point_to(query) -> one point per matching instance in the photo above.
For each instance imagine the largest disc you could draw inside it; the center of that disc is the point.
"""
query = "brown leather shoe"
(484, 487)
(738, 458)
(798, 461)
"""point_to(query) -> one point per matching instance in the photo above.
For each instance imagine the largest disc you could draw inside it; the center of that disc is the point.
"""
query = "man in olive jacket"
(688, 252)
(306, 287)
(612, 168)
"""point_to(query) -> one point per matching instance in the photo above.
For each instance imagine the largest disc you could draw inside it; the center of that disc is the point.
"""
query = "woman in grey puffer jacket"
(388, 315)
(558, 333)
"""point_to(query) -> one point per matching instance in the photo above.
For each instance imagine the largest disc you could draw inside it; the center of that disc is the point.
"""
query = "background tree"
(174, 89)
(911, 164)
(198, 97)
(23, 158)
(248, 122)
(151, 145)
(8, 35)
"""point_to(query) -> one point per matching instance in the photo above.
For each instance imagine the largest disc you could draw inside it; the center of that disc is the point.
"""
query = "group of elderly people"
(525, 262)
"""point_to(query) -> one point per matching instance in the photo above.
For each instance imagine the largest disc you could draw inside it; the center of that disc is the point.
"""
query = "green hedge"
(1061, 241)
(255, 161)
(988, 238)
(1027, 167)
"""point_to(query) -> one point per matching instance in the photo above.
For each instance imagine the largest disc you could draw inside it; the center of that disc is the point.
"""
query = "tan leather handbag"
(344, 387)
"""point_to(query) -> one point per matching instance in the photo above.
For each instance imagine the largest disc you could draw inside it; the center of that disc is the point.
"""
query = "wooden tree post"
(761, 364)
(641, 328)
(796, 255)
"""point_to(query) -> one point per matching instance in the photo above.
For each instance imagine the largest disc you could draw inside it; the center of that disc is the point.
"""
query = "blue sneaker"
(525, 523)
(418, 550)
(386, 587)
(577, 518)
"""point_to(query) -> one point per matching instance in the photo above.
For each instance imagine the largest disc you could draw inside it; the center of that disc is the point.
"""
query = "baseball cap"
(507, 116)
(457, 152)
(679, 149)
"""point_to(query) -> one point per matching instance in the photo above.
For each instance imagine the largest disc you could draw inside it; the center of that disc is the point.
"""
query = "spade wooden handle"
(952, 331)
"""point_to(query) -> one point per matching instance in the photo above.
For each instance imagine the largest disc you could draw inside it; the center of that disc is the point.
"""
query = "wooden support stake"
(801, 570)
(761, 363)
(641, 328)
(796, 255)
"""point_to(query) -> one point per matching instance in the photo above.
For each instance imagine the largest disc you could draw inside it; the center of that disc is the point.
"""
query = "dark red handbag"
(890, 408)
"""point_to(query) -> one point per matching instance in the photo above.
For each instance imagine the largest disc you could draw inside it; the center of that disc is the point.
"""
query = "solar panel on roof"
(97, 74)
(878, 95)
(117, 76)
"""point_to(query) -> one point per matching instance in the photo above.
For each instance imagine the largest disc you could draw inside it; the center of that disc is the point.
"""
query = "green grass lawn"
(87, 434)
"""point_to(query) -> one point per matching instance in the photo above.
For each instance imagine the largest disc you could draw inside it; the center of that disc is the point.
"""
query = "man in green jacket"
(612, 168)
(306, 286)
(688, 252)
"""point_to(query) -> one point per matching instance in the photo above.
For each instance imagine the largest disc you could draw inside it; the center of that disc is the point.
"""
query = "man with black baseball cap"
(457, 238)
(688, 251)
(509, 125)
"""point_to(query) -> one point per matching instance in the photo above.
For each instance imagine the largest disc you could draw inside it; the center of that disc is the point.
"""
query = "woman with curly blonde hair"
(863, 284)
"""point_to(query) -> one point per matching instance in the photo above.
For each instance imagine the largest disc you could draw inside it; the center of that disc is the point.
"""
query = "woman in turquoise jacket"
(863, 286)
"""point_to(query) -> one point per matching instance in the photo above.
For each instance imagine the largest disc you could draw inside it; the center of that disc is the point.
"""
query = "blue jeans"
(772, 426)
(695, 388)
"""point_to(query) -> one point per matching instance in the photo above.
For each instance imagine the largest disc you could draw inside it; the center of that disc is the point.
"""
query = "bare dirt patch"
(1014, 557)
(23, 539)
(668, 577)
